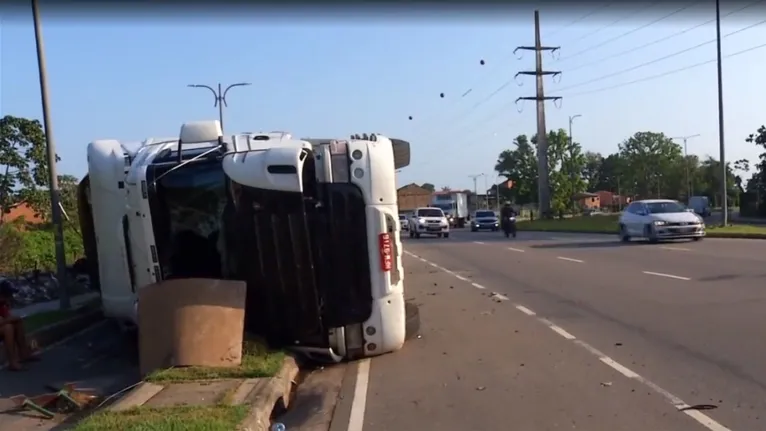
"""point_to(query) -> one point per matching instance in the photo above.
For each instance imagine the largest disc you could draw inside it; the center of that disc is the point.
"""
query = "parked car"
(484, 220)
(429, 221)
(660, 219)
(403, 222)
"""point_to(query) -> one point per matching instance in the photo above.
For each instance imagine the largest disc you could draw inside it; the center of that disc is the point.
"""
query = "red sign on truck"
(384, 244)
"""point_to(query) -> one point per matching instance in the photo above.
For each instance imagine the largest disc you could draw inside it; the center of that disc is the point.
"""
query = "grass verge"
(608, 224)
(186, 418)
(37, 321)
(257, 361)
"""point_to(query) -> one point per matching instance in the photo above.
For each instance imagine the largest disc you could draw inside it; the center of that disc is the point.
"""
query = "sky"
(120, 75)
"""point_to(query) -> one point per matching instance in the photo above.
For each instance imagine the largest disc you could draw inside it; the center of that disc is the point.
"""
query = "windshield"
(444, 206)
(402, 217)
(484, 214)
(186, 215)
(430, 212)
(665, 207)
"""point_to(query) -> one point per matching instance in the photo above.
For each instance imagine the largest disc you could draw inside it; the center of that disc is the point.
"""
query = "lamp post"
(721, 145)
(58, 226)
(220, 96)
(689, 189)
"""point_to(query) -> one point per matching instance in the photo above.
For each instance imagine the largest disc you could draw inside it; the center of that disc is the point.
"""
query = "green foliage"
(24, 179)
(428, 186)
(647, 164)
(566, 164)
(23, 162)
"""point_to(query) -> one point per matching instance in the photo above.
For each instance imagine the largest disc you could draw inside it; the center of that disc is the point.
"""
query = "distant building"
(22, 210)
(411, 197)
(588, 201)
(612, 200)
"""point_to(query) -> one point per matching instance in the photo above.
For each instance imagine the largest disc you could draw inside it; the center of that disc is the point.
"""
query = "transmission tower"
(543, 181)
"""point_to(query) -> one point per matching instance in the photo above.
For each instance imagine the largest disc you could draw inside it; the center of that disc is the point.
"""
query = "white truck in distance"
(454, 205)
(429, 221)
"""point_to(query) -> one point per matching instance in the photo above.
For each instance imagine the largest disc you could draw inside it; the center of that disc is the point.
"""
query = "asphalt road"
(98, 358)
(593, 335)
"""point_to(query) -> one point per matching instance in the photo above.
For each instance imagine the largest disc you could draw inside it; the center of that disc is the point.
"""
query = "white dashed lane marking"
(701, 418)
(659, 274)
(518, 250)
(569, 259)
(676, 248)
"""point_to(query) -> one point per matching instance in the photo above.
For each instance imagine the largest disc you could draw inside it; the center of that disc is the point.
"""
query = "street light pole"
(689, 189)
(58, 226)
(721, 144)
(220, 96)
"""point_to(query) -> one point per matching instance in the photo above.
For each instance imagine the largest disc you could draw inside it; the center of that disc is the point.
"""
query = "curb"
(263, 395)
(267, 397)
(51, 334)
(709, 234)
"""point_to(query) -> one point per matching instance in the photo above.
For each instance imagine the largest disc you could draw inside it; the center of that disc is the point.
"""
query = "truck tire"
(412, 320)
(446, 235)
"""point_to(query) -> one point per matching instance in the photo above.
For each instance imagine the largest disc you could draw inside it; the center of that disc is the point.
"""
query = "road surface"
(97, 358)
(562, 331)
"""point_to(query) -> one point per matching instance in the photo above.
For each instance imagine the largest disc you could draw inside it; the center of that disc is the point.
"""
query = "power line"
(629, 32)
(583, 17)
(670, 72)
(657, 60)
(618, 20)
(662, 39)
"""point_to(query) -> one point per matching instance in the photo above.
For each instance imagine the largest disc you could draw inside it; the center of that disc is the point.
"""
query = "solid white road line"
(478, 242)
(659, 274)
(356, 419)
(478, 286)
(460, 277)
(701, 418)
(516, 250)
(569, 259)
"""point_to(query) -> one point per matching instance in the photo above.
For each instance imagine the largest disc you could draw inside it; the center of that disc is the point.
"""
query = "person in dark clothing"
(507, 211)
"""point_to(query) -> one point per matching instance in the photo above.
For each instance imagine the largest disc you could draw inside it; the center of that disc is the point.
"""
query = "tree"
(40, 201)
(608, 175)
(565, 165)
(428, 186)
(590, 170)
(649, 159)
(520, 166)
(23, 163)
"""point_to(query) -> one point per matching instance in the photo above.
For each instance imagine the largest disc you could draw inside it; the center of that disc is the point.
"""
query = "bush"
(31, 247)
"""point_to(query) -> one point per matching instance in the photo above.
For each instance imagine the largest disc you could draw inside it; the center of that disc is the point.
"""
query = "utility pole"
(486, 194)
(721, 144)
(689, 187)
(55, 196)
(543, 180)
(475, 189)
(220, 96)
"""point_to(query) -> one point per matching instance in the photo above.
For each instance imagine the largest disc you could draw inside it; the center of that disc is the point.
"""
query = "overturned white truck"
(309, 224)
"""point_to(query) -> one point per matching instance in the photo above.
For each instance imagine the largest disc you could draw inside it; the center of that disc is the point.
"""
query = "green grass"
(181, 418)
(608, 224)
(40, 320)
(257, 361)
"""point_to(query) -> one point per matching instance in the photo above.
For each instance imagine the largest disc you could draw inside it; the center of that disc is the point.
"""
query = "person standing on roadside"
(12, 332)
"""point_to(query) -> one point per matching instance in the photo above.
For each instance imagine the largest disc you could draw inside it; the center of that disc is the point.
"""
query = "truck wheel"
(417, 236)
(412, 234)
(446, 235)
(412, 320)
(438, 235)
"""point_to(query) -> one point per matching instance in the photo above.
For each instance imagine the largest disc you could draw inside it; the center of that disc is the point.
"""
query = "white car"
(429, 221)
(660, 219)
(403, 222)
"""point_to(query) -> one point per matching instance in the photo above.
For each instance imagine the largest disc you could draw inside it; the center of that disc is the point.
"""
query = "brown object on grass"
(191, 322)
